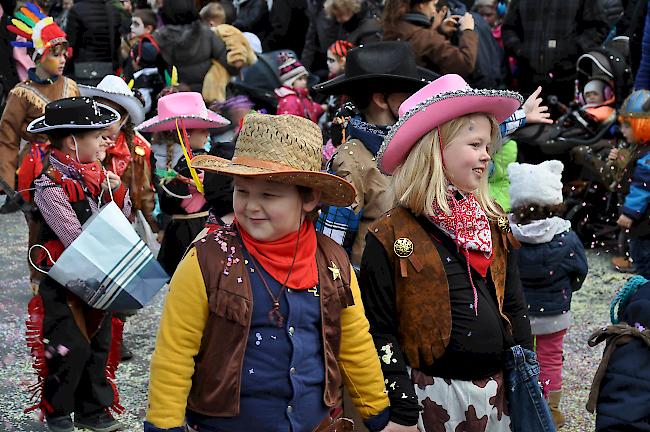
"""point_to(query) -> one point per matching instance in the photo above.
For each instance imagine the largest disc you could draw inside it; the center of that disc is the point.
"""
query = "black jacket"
(547, 37)
(252, 16)
(93, 31)
(288, 19)
(191, 48)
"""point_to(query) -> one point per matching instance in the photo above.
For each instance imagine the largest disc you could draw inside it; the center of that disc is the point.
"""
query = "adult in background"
(288, 19)
(93, 28)
(252, 16)
(422, 23)
(546, 50)
(357, 21)
(189, 44)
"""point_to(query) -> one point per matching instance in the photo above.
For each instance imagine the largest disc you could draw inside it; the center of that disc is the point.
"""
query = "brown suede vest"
(421, 287)
(218, 366)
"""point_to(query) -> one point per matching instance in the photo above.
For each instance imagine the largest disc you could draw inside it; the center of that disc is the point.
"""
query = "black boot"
(60, 424)
(100, 422)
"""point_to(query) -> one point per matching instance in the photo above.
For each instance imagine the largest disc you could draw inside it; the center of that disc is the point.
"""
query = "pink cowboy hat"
(186, 107)
(442, 100)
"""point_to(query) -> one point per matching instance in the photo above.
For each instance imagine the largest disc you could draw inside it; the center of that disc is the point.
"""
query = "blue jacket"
(550, 272)
(638, 198)
(624, 397)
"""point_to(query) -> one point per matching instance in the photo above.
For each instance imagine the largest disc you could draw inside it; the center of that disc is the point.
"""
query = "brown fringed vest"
(217, 374)
(421, 287)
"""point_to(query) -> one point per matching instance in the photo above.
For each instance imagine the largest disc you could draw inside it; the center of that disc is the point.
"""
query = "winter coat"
(613, 10)
(288, 22)
(89, 31)
(321, 33)
(491, 66)
(296, 101)
(642, 79)
(550, 268)
(432, 49)
(551, 46)
(253, 17)
(621, 389)
(631, 25)
(499, 180)
(191, 48)
(364, 27)
(636, 187)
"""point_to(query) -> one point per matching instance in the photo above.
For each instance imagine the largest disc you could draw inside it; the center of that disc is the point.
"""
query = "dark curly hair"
(527, 213)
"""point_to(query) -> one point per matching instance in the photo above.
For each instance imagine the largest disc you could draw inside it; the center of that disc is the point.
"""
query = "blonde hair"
(420, 182)
(213, 12)
(332, 6)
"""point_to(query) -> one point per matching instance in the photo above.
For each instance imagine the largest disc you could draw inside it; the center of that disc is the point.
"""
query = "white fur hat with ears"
(536, 184)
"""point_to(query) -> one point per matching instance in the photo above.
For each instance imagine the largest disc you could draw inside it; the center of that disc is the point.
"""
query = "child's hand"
(624, 222)
(113, 179)
(613, 154)
(535, 111)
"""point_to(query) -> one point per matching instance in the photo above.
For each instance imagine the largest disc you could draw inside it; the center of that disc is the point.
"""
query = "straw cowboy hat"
(114, 89)
(186, 107)
(283, 149)
(444, 99)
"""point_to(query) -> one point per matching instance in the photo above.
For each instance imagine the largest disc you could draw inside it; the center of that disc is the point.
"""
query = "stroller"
(583, 143)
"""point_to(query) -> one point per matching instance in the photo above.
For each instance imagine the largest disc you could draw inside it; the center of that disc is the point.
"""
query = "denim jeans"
(528, 409)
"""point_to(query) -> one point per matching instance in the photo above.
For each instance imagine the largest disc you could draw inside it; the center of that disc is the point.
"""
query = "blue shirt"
(283, 375)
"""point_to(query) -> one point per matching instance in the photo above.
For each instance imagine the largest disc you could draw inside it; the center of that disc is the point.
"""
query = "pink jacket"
(296, 101)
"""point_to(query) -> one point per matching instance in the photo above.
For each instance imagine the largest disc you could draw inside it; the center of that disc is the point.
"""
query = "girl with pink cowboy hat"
(438, 279)
(180, 188)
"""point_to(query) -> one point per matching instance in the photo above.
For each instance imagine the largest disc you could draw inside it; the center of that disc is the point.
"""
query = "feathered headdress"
(40, 30)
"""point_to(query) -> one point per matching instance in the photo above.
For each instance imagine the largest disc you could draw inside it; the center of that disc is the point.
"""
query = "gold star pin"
(139, 151)
(336, 272)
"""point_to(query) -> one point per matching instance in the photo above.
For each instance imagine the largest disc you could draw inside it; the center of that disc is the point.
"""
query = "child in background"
(552, 265)
(178, 193)
(79, 345)
(599, 98)
(293, 96)
(145, 64)
(635, 182)
(336, 56)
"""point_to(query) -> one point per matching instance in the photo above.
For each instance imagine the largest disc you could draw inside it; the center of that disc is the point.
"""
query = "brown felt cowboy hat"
(284, 149)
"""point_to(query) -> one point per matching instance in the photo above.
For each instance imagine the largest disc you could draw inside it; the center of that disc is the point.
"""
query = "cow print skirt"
(461, 406)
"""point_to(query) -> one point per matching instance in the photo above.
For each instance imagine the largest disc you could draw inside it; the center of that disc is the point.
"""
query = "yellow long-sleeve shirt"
(179, 338)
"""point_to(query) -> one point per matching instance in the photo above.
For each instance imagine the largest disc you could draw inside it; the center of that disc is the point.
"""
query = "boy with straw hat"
(263, 321)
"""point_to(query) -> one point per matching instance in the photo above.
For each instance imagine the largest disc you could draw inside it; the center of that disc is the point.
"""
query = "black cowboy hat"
(74, 113)
(379, 67)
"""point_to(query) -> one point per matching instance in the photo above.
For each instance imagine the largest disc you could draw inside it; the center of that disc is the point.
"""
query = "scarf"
(91, 173)
(372, 136)
(469, 227)
(276, 256)
(539, 231)
(120, 155)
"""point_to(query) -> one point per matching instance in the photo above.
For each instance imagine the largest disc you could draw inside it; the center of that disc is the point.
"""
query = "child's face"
(54, 61)
(137, 26)
(335, 64)
(198, 138)
(489, 14)
(110, 134)
(300, 82)
(628, 133)
(268, 210)
(593, 97)
(466, 156)
(88, 145)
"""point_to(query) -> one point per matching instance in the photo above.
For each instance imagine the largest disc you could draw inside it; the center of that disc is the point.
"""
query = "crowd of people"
(367, 210)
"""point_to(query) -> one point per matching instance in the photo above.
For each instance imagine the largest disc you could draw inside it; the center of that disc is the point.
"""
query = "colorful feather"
(174, 78)
(35, 10)
(30, 14)
(21, 25)
(19, 32)
(22, 44)
(24, 18)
